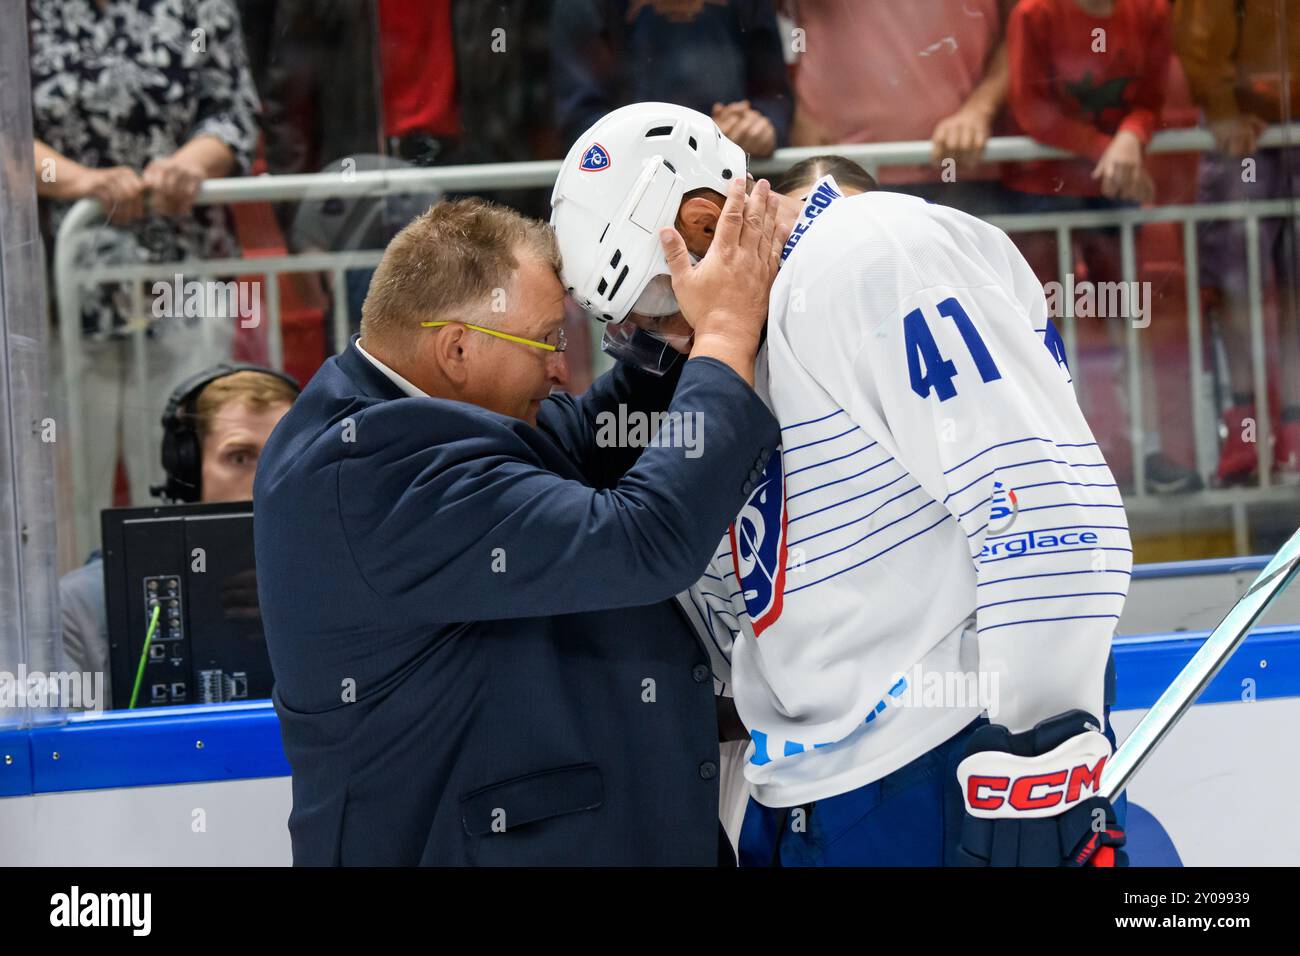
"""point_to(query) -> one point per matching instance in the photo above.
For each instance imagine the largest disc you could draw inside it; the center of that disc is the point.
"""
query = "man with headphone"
(214, 427)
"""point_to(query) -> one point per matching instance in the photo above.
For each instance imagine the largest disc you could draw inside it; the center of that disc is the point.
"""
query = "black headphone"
(181, 454)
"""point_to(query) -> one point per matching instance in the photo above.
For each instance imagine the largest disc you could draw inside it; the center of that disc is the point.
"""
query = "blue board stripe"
(153, 746)
(157, 746)
(1179, 569)
(1269, 657)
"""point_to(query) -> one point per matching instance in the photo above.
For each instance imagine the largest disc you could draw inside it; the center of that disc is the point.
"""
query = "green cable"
(144, 654)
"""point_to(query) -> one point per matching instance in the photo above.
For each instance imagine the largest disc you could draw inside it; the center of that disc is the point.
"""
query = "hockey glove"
(1031, 798)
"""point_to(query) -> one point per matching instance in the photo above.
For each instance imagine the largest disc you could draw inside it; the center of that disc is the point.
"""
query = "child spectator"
(1088, 76)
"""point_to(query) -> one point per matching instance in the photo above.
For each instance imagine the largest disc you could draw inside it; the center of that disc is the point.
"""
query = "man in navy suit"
(468, 597)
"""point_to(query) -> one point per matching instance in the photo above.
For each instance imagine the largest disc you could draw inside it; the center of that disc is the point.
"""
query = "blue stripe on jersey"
(1067, 504)
(1054, 574)
(862, 518)
(850, 500)
(812, 421)
(870, 534)
(821, 441)
(1052, 597)
(706, 615)
(873, 557)
(1017, 441)
(827, 461)
(1041, 484)
(1046, 620)
(730, 623)
(1072, 484)
(1024, 464)
(808, 491)
(723, 611)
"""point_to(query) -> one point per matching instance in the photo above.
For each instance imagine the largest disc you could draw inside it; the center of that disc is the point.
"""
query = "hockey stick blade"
(1200, 670)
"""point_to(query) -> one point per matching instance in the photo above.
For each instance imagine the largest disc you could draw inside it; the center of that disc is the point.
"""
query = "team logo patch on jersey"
(595, 159)
(1005, 507)
(758, 546)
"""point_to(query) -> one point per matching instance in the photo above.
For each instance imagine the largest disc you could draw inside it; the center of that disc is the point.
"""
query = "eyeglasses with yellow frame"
(559, 346)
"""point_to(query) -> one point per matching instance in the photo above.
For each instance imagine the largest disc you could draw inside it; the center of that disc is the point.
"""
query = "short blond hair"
(260, 390)
(455, 254)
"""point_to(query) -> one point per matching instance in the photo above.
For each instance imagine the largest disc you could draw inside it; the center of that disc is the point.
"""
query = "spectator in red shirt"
(360, 85)
(1088, 76)
(424, 81)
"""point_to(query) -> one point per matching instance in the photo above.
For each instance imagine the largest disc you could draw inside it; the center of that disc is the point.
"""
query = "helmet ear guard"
(630, 241)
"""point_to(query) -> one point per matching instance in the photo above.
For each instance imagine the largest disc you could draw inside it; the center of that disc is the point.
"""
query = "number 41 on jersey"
(926, 366)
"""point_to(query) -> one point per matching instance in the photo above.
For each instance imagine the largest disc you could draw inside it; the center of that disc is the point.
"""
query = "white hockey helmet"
(622, 182)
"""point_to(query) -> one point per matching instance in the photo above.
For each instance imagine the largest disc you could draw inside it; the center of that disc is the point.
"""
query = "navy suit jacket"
(477, 654)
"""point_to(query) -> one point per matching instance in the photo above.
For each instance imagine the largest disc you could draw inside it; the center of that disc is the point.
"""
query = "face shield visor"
(654, 336)
(636, 342)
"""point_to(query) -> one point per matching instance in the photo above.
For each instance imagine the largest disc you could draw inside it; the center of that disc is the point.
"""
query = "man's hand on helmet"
(725, 294)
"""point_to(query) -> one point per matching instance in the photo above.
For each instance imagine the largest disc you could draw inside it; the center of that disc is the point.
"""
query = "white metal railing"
(874, 156)
(1064, 224)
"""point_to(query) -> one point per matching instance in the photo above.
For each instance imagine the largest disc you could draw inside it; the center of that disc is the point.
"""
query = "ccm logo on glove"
(999, 785)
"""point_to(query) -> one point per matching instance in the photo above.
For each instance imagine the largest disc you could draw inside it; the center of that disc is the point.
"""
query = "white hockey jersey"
(938, 535)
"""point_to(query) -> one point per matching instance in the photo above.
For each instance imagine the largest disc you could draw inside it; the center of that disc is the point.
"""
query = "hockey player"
(917, 602)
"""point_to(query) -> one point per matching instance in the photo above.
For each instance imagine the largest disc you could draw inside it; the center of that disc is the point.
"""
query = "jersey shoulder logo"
(1005, 507)
(758, 546)
(594, 159)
